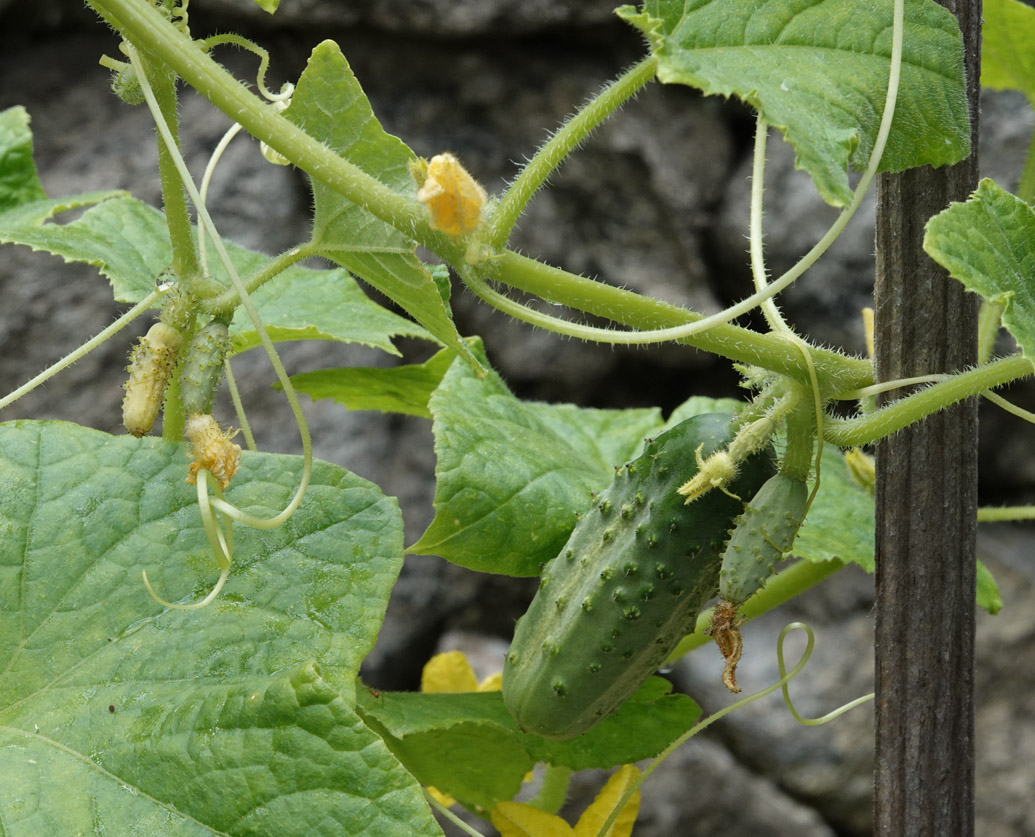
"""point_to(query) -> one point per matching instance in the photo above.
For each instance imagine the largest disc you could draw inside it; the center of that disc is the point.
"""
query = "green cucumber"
(761, 535)
(627, 586)
(203, 367)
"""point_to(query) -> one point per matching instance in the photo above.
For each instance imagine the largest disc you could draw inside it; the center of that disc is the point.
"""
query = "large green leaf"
(469, 746)
(120, 716)
(986, 243)
(511, 474)
(1008, 47)
(818, 71)
(330, 104)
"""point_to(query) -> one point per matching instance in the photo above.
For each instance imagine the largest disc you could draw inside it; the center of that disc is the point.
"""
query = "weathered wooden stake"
(926, 505)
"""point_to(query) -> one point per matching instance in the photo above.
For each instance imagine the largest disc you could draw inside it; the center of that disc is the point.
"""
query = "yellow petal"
(492, 683)
(593, 817)
(442, 798)
(448, 673)
(515, 819)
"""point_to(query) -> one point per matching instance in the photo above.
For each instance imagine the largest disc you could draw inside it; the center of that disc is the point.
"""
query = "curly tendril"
(785, 677)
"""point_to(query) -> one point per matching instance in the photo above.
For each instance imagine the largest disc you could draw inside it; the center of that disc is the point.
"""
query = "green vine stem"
(758, 270)
(771, 351)
(562, 143)
(453, 818)
(145, 27)
(866, 429)
(785, 678)
(174, 198)
(227, 301)
(801, 440)
(780, 588)
(1005, 514)
(989, 320)
(99, 339)
(838, 374)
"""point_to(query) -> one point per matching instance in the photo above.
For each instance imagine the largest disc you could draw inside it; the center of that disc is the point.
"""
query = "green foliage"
(840, 521)
(511, 474)
(1007, 57)
(346, 232)
(120, 714)
(235, 719)
(985, 243)
(819, 72)
(19, 182)
(307, 304)
(399, 389)
(470, 747)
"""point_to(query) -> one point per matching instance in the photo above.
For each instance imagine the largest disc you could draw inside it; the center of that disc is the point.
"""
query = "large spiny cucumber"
(627, 586)
(761, 536)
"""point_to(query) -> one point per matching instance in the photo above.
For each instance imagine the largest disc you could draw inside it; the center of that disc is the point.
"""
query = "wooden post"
(926, 504)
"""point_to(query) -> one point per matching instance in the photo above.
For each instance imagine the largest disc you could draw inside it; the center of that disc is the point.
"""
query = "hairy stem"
(866, 429)
(836, 371)
(145, 27)
(562, 143)
(174, 198)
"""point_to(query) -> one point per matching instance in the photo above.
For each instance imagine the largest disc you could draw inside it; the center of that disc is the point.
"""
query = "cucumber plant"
(258, 677)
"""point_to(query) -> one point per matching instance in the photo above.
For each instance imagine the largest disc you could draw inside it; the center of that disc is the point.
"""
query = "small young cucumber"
(203, 367)
(150, 365)
(627, 586)
(761, 536)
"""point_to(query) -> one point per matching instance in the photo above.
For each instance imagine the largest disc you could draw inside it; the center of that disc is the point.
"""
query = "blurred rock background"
(655, 201)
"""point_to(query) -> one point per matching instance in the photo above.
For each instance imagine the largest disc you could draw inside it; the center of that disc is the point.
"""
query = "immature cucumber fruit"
(627, 585)
(762, 534)
(203, 367)
(150, 364)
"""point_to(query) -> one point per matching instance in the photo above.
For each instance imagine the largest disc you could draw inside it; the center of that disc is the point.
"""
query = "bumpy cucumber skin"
(761, 535)
(150, 365)
(627, 586)
(203, 367)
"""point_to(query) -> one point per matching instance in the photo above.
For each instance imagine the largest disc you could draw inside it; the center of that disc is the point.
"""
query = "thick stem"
(554, 789)
(174, 198)
(146, 28)
(801, 441)
(836, 372)
(866, 429)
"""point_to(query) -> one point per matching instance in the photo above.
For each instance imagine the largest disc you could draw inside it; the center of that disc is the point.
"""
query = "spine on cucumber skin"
(629, 583)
